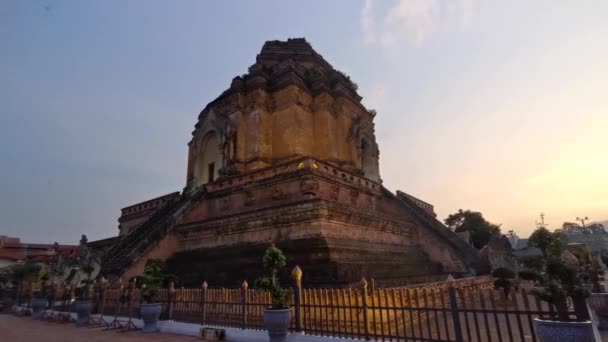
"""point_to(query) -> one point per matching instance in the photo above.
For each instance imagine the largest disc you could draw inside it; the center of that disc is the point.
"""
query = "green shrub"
(153, 278)
(273, 261)
(503, 282)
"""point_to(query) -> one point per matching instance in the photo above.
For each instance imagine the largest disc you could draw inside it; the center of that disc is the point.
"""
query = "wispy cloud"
(368, 23)
(411, 21)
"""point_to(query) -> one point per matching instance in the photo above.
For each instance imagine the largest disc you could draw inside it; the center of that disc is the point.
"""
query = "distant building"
(520, 247)
(593, 235)
(12, 251)
(8, 239)
(133, 215)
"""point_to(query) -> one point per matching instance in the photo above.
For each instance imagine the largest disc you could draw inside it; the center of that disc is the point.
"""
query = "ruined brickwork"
(134, 215)
(288, 156)
(292, 103)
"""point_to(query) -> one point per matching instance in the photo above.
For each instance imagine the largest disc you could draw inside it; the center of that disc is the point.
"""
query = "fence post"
(54, 288)
(130, 290)
(19, 294)
(296, 274)
(64, 299)
(364, 302)
(204, 301)
(170, 294)
(95, 299)
(103, 287)
(244, 288)
(455, 314)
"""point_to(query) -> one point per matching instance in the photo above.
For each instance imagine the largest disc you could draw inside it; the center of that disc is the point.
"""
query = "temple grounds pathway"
(24, 329)
(17, 329)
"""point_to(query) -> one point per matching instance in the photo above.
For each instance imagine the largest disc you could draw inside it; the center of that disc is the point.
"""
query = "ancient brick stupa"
(288, 156)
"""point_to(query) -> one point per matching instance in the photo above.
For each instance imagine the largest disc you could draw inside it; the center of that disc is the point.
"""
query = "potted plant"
(277, 317)
(3, 294)
(558, 279)
(31, 274)
(82, 293)
(24, 275)
(150, 283)
(503, 280)
(590, 269)
(39, 303)
(599, 303)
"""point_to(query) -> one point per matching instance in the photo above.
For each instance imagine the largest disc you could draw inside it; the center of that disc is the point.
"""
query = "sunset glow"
(497, 107)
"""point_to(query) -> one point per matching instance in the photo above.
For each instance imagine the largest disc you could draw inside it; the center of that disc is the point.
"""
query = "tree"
(550, 244)
(25, 275)
(153, 278)
(473, 222)
(273, 261)
(574, 228)
(570, 226)
(558, 281)
(596, 228)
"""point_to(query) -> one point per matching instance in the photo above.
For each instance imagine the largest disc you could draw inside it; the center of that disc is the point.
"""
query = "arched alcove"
(209, 160)
(367, 160)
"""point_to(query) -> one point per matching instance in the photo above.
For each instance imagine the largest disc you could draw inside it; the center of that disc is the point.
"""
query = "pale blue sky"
(496, 106)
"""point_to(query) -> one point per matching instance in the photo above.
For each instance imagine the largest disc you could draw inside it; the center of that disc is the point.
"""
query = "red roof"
(37, 251)
(11, 254)
(8, 239)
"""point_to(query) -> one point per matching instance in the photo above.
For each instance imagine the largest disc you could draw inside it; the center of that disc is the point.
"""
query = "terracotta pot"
(277, 323)
(150, 314)
(38, 305)
(556, 331)
(83, 309)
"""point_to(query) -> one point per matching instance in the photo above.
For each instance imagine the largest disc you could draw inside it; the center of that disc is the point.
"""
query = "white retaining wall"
(237, 335)
(232, 334)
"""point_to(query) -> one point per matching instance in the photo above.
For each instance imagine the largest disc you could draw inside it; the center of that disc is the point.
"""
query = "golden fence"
(468, 309)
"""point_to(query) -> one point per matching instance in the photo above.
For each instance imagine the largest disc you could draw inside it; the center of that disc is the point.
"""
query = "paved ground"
(24, 329)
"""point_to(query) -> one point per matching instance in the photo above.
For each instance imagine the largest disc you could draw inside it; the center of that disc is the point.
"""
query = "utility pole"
(582, 220)
(589, 240)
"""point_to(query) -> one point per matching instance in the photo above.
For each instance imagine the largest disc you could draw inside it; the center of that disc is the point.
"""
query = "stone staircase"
(469, 253)
(130, 248)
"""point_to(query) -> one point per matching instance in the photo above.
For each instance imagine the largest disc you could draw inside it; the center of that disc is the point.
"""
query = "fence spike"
(205, 286)
(363, 282)
(245, 285)
(296, 273)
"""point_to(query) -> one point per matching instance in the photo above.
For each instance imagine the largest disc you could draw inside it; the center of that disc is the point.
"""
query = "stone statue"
(57, 263)
(84, 254)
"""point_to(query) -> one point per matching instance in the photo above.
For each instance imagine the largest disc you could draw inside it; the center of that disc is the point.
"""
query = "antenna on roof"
(542, 221)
